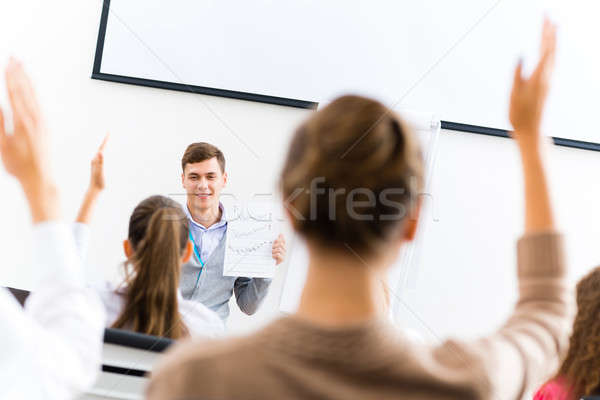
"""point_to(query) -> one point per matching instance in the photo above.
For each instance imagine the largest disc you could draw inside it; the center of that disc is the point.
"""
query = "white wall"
(466, 279)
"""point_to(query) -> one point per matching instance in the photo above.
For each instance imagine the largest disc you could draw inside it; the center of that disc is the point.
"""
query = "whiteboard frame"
(182, 87)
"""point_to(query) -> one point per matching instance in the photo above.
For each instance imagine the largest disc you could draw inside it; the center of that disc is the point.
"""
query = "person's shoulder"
(228, 353)
(112, 297)
(471, 360)
(197, 352)
(108, 291)
(203, 367)
(231, 353)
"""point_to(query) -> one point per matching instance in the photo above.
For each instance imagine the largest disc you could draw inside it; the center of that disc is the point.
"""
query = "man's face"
(203, 182)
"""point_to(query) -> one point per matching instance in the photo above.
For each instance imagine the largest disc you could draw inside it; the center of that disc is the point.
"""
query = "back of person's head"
(581, 366)
(202, 151)
(352, 176)
(158, 236)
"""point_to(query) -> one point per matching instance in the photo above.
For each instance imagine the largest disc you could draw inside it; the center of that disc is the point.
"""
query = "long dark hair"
(581, 365)
(158, 233)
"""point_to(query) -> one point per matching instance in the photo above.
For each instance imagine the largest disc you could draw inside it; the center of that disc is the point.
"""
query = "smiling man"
(202, 279)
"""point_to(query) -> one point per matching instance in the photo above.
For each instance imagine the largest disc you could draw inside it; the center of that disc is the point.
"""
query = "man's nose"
(203, 183)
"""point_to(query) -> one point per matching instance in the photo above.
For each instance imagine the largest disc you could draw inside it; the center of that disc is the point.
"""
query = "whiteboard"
(453, 58)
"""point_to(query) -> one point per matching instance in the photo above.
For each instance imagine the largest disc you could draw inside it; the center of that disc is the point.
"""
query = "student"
(202, 280)
(338, 344)
(52, 348)
(579, 373)
(148, 300)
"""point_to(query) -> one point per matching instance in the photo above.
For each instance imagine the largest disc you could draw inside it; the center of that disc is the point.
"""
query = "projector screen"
(455, 59)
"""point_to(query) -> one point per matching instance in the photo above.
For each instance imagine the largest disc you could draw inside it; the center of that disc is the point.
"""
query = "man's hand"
(279, 249)
(24, 153)
(528, 96)
(97, 176)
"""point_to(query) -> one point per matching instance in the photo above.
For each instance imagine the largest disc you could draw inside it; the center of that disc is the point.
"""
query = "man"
(202, 279)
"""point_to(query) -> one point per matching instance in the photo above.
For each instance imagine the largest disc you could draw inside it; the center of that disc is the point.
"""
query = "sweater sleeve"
(250, 292)
(55, 344)
(68, 317)
(510, 362)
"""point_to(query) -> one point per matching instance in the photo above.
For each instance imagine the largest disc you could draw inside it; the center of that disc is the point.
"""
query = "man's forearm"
(250, 294)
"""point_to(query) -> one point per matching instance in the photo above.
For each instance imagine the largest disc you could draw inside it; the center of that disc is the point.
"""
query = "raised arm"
(537, 329)
(521, 354)
(55, 344)
(527, 101)
(24, 152)
(96, 186)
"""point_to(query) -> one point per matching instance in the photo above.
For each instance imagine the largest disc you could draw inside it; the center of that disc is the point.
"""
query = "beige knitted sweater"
(294, 359)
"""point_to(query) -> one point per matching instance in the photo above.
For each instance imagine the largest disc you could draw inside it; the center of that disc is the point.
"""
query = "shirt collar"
(221, 222)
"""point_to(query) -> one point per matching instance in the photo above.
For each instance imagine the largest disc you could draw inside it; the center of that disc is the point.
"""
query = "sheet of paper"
(251, 231)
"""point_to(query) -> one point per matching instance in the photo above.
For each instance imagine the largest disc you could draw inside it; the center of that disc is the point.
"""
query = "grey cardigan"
(208, 286)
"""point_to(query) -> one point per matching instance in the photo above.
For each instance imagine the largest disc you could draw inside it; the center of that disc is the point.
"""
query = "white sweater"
(52, 348)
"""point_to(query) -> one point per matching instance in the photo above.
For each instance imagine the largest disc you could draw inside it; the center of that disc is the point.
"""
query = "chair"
(127, 359)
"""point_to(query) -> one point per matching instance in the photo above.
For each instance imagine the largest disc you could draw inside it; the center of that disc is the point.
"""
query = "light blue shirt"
(207, 284)
(207, 239)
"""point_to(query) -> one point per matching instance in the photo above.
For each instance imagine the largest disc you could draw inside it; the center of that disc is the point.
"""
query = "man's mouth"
(203, 195)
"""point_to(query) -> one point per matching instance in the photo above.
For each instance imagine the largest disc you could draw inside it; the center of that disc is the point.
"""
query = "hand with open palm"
(528, 95)
(24, 152)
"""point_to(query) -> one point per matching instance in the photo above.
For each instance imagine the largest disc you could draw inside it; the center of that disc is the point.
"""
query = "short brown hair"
(202, 151)
(355, 145)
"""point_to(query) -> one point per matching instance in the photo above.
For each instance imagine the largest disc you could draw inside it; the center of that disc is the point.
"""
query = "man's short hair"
(202, 151)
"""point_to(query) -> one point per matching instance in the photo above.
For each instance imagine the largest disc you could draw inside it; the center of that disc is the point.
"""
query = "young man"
(202, 279)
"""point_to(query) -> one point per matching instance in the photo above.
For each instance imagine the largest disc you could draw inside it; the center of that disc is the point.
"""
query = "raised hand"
(97, 176)
(84, 215)
(528, 95)
(24, 152)
(527, 102)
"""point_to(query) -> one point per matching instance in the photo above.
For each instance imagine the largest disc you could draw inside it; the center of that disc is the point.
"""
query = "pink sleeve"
(555, 389)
